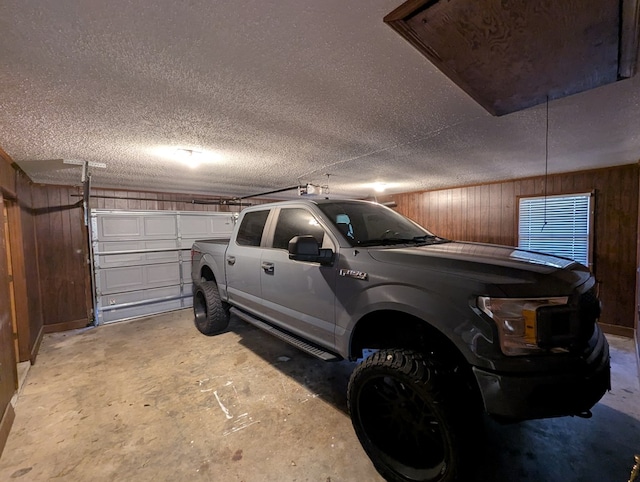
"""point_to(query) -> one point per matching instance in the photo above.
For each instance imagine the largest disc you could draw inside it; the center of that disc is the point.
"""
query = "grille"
(568, 326)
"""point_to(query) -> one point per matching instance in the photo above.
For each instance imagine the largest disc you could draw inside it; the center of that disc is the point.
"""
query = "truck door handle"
(231, 260)
(267, 267)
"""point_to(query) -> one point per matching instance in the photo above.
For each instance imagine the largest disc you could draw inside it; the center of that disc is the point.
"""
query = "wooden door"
(12, 292)
(8, 366)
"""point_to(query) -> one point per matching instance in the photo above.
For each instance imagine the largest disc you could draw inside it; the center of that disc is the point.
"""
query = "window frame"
(265, 228)
(329, 237)
(591, 219)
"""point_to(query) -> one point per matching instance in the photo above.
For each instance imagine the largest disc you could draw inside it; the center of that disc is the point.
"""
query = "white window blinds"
(566, 230)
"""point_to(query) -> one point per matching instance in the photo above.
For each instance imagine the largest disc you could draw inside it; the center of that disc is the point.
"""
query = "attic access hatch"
(511, 54)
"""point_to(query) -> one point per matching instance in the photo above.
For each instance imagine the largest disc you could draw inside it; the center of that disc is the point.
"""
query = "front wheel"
(211, 314)
(405, 411)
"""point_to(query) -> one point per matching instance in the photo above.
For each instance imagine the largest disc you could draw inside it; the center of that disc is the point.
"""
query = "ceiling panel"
(277, 93)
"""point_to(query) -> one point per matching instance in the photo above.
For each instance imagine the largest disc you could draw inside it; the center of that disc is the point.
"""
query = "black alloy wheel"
(403, 409)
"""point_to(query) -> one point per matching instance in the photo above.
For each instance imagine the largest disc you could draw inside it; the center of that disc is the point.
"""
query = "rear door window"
(251, 228)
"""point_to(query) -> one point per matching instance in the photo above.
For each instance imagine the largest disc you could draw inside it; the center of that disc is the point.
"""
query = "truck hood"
(507, 267)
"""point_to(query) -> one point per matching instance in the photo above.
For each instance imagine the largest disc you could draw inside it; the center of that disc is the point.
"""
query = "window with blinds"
(557, 225)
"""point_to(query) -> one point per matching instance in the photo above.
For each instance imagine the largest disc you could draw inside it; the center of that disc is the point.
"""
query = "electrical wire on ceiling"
(415, 140)
(546, 164)
(275, 191)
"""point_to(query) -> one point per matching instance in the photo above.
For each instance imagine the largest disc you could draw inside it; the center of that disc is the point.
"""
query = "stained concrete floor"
(153, 399)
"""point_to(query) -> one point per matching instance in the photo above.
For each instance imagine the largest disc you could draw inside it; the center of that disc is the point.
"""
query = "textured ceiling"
(280, 93)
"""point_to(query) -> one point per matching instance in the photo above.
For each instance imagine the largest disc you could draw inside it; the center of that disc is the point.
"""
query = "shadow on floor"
(599, 449)
(328, 380)
(562, 449)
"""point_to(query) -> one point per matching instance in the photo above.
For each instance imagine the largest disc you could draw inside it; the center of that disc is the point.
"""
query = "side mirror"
(306, 248)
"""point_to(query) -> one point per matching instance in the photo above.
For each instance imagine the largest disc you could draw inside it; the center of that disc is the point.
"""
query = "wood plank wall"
(488, 213)
(26, 281)
(8, 375)
(62, 251)
(62, 244)
(131, 200)
(29, 342)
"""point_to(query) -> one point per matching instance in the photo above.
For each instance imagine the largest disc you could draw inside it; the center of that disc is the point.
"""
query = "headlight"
(516, 321)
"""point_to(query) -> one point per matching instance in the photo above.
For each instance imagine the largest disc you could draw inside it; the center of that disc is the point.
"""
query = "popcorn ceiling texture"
(284, 91)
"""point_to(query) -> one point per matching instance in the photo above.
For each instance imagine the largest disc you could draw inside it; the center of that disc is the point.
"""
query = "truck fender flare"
(419, 304)
(209, 261)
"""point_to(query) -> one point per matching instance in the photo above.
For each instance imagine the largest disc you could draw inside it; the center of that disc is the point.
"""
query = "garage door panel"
(143, 253)
(117, 280)
(188, 242)
(134, 304)
(149, 271)
(114, 300)
(120, 279)
(186, 271)
(160, 227)
(162, 256)
(161, 274)
(188, 288)
(112, 260)
(140, 311)
(136, 225)
(119, 227)
(193, 226)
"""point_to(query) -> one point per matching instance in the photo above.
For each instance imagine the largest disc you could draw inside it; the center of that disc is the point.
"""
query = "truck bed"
(224, 241)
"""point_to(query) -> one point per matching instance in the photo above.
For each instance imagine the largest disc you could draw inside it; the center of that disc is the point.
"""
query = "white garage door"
(141, 260)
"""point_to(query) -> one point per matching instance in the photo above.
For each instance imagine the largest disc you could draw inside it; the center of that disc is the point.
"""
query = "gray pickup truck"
(452, 329)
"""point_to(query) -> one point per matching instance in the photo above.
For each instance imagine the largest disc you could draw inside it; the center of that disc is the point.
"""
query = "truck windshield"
(370, 224)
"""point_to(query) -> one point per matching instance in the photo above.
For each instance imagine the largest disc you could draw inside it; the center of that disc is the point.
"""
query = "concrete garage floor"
(153, 399)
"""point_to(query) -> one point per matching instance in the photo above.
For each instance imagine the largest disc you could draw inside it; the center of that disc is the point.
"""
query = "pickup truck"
(448, 330)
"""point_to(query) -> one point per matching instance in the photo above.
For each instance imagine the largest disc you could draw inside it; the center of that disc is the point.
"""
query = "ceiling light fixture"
(380, 186)
(190, 157)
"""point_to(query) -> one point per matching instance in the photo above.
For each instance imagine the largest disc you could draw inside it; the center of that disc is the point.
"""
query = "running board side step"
(284, 336)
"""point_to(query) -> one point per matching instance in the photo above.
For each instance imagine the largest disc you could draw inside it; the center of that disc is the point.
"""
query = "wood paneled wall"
(24, 262)
(62, 244)
(7, 176)
(29, 342)
(53, 288)
(488, 213)
(8, 374)
(62, 251)
(132, 200)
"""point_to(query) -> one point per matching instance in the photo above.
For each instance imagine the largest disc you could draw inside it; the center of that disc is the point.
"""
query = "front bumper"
(553, 394)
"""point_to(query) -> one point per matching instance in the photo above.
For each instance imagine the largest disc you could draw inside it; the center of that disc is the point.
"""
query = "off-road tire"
(211, 315)
(406, 410)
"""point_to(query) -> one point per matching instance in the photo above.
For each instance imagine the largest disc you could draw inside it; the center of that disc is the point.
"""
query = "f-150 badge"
(351, 273)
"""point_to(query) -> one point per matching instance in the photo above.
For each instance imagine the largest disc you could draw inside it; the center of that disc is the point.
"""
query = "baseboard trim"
(625, 331)
(36, 345)
(67, 325)
(6, 424)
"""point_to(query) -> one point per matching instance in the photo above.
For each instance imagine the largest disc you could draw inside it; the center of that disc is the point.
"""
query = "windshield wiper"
(384, 241)
(424, 239)
(430, 238)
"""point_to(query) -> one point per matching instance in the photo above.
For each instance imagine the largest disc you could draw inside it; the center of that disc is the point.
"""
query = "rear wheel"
(406, 411)
(211, 315)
